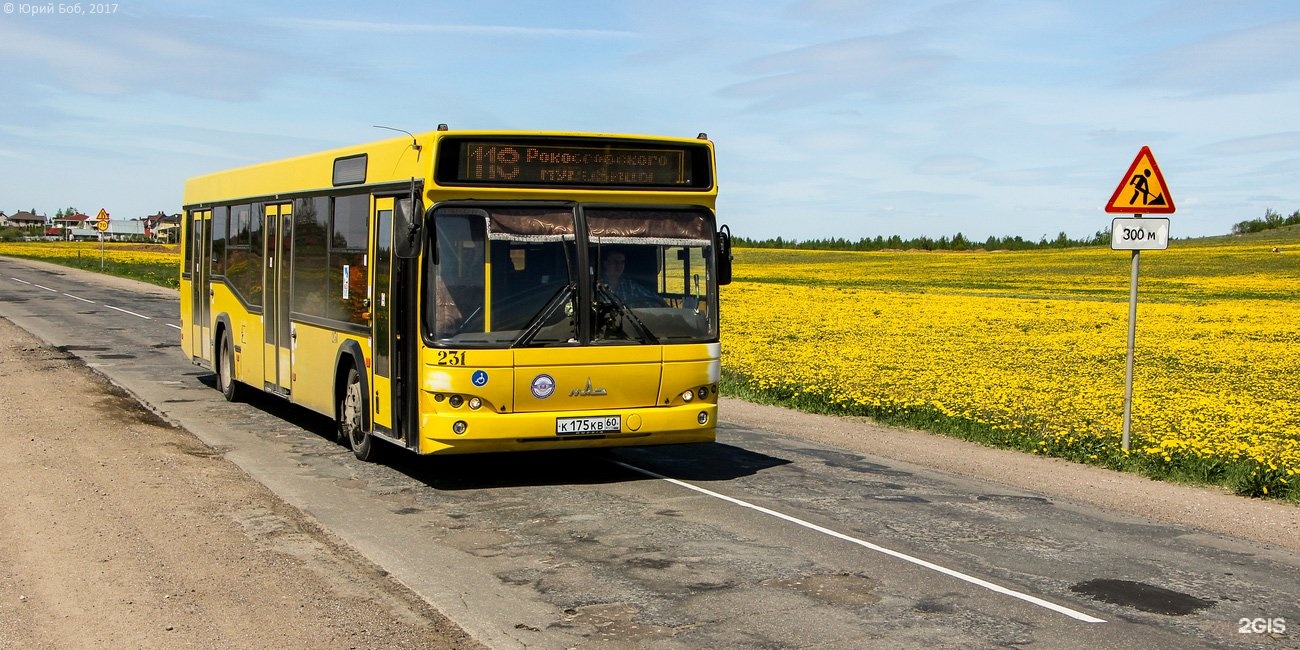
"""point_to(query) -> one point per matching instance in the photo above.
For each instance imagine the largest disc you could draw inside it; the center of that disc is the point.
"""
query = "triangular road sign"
(1143, 189)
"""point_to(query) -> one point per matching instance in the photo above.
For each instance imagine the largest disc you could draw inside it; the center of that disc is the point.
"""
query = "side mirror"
(724, 255)
(408, 225)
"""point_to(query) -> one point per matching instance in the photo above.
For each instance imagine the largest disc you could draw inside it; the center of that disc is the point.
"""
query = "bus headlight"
(475, 403)
(459, 427)
(455, 401)
(704, 392)
(703, 417)
(688, 396)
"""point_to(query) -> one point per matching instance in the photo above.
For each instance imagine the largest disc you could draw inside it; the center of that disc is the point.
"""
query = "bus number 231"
(451, 357)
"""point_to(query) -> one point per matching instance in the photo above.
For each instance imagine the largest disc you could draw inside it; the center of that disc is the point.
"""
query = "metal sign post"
(1132, 346)
(1142, 190)
(102, 225)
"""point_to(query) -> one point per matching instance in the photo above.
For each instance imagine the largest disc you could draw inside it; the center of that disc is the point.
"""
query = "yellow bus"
(467, 291)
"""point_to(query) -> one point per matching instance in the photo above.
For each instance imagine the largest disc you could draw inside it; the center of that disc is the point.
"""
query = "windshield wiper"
(646, 336)
(557, 301)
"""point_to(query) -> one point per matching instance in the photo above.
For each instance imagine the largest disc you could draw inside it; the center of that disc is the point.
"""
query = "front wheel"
(351, 419)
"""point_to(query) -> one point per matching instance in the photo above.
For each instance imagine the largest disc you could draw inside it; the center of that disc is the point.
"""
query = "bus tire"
(226, 382)
(351, 419)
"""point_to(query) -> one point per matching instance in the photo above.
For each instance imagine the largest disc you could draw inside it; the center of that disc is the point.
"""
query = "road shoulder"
(1212, 510)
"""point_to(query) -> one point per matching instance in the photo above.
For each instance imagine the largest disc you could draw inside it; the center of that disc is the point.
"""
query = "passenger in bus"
(447, 312)
(626, 289)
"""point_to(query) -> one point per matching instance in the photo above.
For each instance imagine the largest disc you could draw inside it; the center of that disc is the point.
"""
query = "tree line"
(1270, 221)
(960, 242)
(957, 242)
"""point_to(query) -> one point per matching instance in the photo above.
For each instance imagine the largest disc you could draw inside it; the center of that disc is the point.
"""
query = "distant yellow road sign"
(1143, 189)
(102, 216)
(102, 226)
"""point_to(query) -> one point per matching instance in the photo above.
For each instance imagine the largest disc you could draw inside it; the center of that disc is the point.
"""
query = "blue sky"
(832, 118)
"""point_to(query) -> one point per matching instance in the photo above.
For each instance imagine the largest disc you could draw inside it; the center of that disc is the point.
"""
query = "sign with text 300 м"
(1137, 234)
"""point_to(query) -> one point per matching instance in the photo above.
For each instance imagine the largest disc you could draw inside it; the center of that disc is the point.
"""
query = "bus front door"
(278, 346)
(381, 301)
(200, 291)
(394, 329)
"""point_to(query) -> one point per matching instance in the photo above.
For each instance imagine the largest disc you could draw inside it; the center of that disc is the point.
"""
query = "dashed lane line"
(124, 311)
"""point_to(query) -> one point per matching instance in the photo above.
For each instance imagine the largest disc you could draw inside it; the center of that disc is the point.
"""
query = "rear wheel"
(226, 370)
(351, 419)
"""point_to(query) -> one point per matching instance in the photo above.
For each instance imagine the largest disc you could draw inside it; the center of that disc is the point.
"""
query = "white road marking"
(879, 549)
(88, 301)
(128, 312)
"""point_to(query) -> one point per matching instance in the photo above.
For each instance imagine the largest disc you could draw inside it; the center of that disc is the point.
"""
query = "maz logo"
(588, 391)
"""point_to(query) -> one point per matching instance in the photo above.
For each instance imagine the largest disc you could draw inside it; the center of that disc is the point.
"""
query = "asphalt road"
(759, 540)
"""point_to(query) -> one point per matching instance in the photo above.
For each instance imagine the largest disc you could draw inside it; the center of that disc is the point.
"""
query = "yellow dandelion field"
(155, 263)
(1033, 342)
(114, 252)
(1030, 343)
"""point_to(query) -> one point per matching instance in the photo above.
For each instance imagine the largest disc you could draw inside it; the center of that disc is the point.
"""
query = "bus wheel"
(226, 370)
(351, 422)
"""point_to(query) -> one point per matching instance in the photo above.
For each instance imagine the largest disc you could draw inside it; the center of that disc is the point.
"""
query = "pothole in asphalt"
(1142, 596)
(832, 588)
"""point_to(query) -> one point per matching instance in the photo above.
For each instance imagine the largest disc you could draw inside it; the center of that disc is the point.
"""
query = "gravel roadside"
(120, 531)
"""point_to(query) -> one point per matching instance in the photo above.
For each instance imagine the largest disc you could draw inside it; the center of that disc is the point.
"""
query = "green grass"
(163, 275)
(1242, 477)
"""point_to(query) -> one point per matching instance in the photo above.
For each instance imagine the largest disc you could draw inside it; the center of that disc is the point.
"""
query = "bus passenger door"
(381, 301)
(278, 340)
(200, 291)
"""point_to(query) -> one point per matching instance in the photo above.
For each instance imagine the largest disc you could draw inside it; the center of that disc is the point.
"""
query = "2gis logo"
(1261, 626)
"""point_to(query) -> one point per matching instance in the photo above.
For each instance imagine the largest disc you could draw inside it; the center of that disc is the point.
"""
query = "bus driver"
(628, 290)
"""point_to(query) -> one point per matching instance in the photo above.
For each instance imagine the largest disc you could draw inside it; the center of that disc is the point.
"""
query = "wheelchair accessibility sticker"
(480, 378)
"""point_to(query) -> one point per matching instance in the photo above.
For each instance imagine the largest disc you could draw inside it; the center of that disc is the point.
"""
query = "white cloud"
(880, 66)
(1288, 141)
(316, 24)
(951, 165)
(1258, 58)
(136, 57)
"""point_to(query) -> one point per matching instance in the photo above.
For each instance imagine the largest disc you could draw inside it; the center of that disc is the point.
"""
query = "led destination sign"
(561, 163)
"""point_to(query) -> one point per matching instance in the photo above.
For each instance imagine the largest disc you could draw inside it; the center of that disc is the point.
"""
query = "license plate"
(593, 424)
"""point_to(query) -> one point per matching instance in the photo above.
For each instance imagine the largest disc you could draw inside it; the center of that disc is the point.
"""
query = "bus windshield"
(510, 276)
